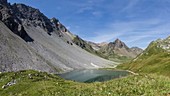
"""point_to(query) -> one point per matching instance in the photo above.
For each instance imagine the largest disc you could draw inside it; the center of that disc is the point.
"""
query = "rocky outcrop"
(3, 2)
(32, 16)
(13, 82)
(16, 16)
(83, 44)
(7, 15)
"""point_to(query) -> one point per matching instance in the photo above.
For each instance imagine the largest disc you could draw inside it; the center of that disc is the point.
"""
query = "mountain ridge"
(42, 44)
(119, 51)
(115, 51)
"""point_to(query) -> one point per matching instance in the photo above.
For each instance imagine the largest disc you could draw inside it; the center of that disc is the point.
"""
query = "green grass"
(153, 60)
(43, 84)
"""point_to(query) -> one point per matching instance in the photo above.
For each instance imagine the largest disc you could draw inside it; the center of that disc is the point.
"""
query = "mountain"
(116, 51)
(95, 46)
(88, 46)
(155, 59)
(29, 40)
(102, 44)
(137, 50)
(83, 44)
(119, 50)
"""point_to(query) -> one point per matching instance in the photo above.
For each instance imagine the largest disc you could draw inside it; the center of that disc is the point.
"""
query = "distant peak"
(117, 40)
(102, 44)
(118, 44)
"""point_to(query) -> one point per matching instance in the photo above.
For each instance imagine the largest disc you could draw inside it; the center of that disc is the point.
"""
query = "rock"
(32, 16)
(8, 16)
(30, 76)
(13, 82)
(3, 2)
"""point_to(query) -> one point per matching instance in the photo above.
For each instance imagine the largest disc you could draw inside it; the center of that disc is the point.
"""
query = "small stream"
(93, 75)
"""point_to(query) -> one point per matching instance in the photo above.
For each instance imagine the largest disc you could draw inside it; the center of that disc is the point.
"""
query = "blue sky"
(135, 22)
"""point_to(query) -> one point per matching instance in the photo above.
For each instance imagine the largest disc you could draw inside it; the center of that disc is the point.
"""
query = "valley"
(40, 56)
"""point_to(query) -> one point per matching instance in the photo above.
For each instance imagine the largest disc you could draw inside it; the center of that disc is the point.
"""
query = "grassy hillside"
(155, 59)
(116, 57)
(32, 83)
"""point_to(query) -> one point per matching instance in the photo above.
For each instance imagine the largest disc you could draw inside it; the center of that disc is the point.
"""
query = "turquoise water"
(93, 75)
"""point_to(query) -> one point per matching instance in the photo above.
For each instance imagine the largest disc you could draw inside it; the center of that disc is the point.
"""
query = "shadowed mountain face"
(29, 40)
(4, 2)
(10, 19)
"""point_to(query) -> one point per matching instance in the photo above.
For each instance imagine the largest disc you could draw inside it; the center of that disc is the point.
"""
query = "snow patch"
(94, 65)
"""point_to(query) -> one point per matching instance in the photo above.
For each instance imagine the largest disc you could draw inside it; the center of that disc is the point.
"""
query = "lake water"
(93, 75)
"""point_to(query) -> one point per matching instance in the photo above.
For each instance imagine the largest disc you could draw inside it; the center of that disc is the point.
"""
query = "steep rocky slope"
(29, 40)
(16, 54)
(155, 59)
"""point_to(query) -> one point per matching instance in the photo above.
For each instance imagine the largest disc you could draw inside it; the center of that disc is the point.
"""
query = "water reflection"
(93, 75)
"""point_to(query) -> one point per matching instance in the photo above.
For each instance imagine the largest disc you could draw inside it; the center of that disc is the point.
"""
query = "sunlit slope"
(32, 83)
(155, 59)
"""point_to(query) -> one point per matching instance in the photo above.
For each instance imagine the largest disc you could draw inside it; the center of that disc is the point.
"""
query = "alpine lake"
(93, 75)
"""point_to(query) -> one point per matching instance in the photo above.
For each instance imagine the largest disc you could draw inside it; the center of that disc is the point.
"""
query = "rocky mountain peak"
(56, 24)
(4, 2)
(32, 16)
(118, 44)
(119, 48)
(10, 17)
(54, 20)
(118, 40)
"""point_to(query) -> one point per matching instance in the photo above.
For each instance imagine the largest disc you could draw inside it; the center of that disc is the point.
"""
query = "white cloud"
(104, 37)
(97, 13)
(130, 5)
(133, 31)
(83, 9)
